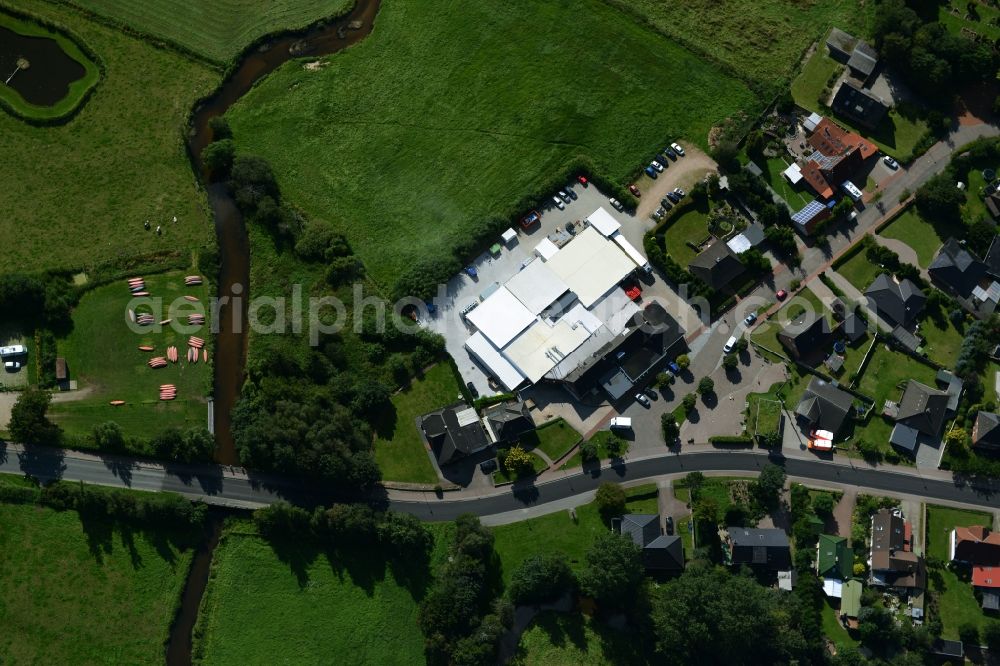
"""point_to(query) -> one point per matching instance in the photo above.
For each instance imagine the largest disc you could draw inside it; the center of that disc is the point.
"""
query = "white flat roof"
(591, 265)
(629, 249)
(833, 587)
(501, 317)
(536, 286)
(739, 244)
(581, 316)
(546, 249)
(616, 310)
(604, 222)
(489, 356)
(793, 173)
(541, 347)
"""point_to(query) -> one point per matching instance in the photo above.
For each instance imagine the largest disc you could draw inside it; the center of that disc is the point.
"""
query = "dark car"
(670, 153)
(665, 202)
(651, 172)
(670, 524)
(674, 368)
(571, 193)
(488, 466)
(673, 197)
(473, 390)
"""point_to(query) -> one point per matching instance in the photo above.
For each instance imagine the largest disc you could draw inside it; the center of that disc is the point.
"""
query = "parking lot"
(463, 290)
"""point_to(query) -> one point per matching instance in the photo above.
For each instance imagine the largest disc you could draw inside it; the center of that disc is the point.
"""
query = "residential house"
(810, 216)
(660, 552)
(892, 561)
(850, 602)
(824, 406)
(764, 549)
(854, 328)
(717, 266)
(454, 432)
(807, 337)
(959, 272)
(920, 414)
(834, 563)
(859, 105)
(986, 431)
(505, 422)
(978, 547)
(896, 303)
(837, 156)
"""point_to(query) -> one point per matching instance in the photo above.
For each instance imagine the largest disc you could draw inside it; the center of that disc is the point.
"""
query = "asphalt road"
(223, 486)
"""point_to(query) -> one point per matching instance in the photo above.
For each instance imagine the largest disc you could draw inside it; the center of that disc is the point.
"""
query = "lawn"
(559, 533)
(990, 384)
(985, 25)
(762, 40)
(834, 630)
(805, 301)
(601, 438)
(77, 194)
(941, 520)
(916, 232)
(942, 342)
(796, 197)
(572, 639)
(435, 139)
(217, 30)
(887, 369)
(692, 226)
(763, 414)
(809, 84)
(975, 206)
(399, 447)
(102, 355)
(86, 592)
(298, 604)
(859, 271)
(554, 439)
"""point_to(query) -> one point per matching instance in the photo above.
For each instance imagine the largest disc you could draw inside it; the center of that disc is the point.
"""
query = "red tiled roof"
(986, 576)
(907, 535)
(978, 545)
(831, 139)
(811, 172)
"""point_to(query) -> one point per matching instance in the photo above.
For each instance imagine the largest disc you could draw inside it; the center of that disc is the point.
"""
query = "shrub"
(518, 461)
(610, 500)
(540, 578)
(689, 402)
(588, 451)
(706, 386)
(668, 424)
(683, 361)
(729, 362)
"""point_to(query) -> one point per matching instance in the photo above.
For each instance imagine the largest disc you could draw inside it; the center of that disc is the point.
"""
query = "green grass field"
(916, 232)
(941, 520)
(859, 271)
(559, 533)
(217, 30)
(399, 448)
(887, 369)
(601, 438)
(795, 196)
(77, 194)
(554, 439)
(86, 592)
(809, 84)
(691, 225)
(440, 120)
(102, 356)
(942, 342)
(763, 415)
(300, 605)
(762, 40)
(573, 639)
(834, 630)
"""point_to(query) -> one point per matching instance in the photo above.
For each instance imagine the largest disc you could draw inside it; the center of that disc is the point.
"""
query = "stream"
(234, 269)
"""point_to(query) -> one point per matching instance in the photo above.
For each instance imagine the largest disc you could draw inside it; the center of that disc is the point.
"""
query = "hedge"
(488, 400)
(745, 440)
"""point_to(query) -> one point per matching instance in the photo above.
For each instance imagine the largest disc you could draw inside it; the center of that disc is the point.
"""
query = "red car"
(633, 291)
(634, 190)
(583, 180)
(781, 294)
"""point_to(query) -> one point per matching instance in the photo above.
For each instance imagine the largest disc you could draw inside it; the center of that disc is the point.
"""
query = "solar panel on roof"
(811, 210)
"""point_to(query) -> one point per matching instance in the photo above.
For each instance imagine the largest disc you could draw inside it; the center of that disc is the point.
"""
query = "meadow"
(77, 195)
(412, 141)
(103, 357)
(761, 40)
(558, 639)
(297, 604)
(217, 30)
(86, 592)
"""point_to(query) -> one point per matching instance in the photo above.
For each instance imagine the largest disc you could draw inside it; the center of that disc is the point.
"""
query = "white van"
(622, 422)
(13, 350)
(730, 345)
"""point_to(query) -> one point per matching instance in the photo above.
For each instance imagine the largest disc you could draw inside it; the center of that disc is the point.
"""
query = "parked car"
(558, 202)
(670, 153)
(674, 368)
(634, 190)
(891, 163)
(473, 391)
(530, 219)
(564, 197)
(488, 466)
(673, 197)
(583, 180)
(651, 172)
(642, 399)
(730, 344)
(12, 366)
(656, 165)
(679, 192)
(572, 194)
(617, 205)
(781, 294)
(621, 422)
(750, 319)
(632, 290)
(666, 204)
(677, 149)
(670, 525)
(660, 211)
(471, 271)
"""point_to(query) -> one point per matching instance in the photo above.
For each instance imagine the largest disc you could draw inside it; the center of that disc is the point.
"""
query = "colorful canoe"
(145, 348)
(116, 403)
(165, 322)
(204, 355)
(141, 293)
(193, 299)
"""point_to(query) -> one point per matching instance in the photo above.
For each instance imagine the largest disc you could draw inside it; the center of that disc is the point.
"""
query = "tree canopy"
(614, 572)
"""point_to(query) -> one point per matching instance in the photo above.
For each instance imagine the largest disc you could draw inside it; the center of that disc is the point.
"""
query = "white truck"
(621, 423)
(12, 350)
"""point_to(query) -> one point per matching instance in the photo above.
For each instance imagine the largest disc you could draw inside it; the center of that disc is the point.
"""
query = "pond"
(37, 67)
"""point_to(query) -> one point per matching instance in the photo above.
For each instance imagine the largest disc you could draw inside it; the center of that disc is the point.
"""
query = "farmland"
(102, 355)
(419, 157)
(296, 600)
(217, 30)
(119, 162)
(86, 591)
(761, 40)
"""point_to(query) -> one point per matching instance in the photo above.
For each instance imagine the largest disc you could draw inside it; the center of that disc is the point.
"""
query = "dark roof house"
(506, 421)
(825, 406)
(921, 411)
(841, 44)
(659, 552)
(986, 431)
(893, 562)
(859, 105)
(717, 266)
(898, 303)
(975, 545)
(807, 336)
(759, 548)
(992, 258)
(956, 269)
(454, 432)
(863, 60)
(854, 327)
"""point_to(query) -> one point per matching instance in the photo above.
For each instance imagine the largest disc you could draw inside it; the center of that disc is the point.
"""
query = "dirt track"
(683, 173)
